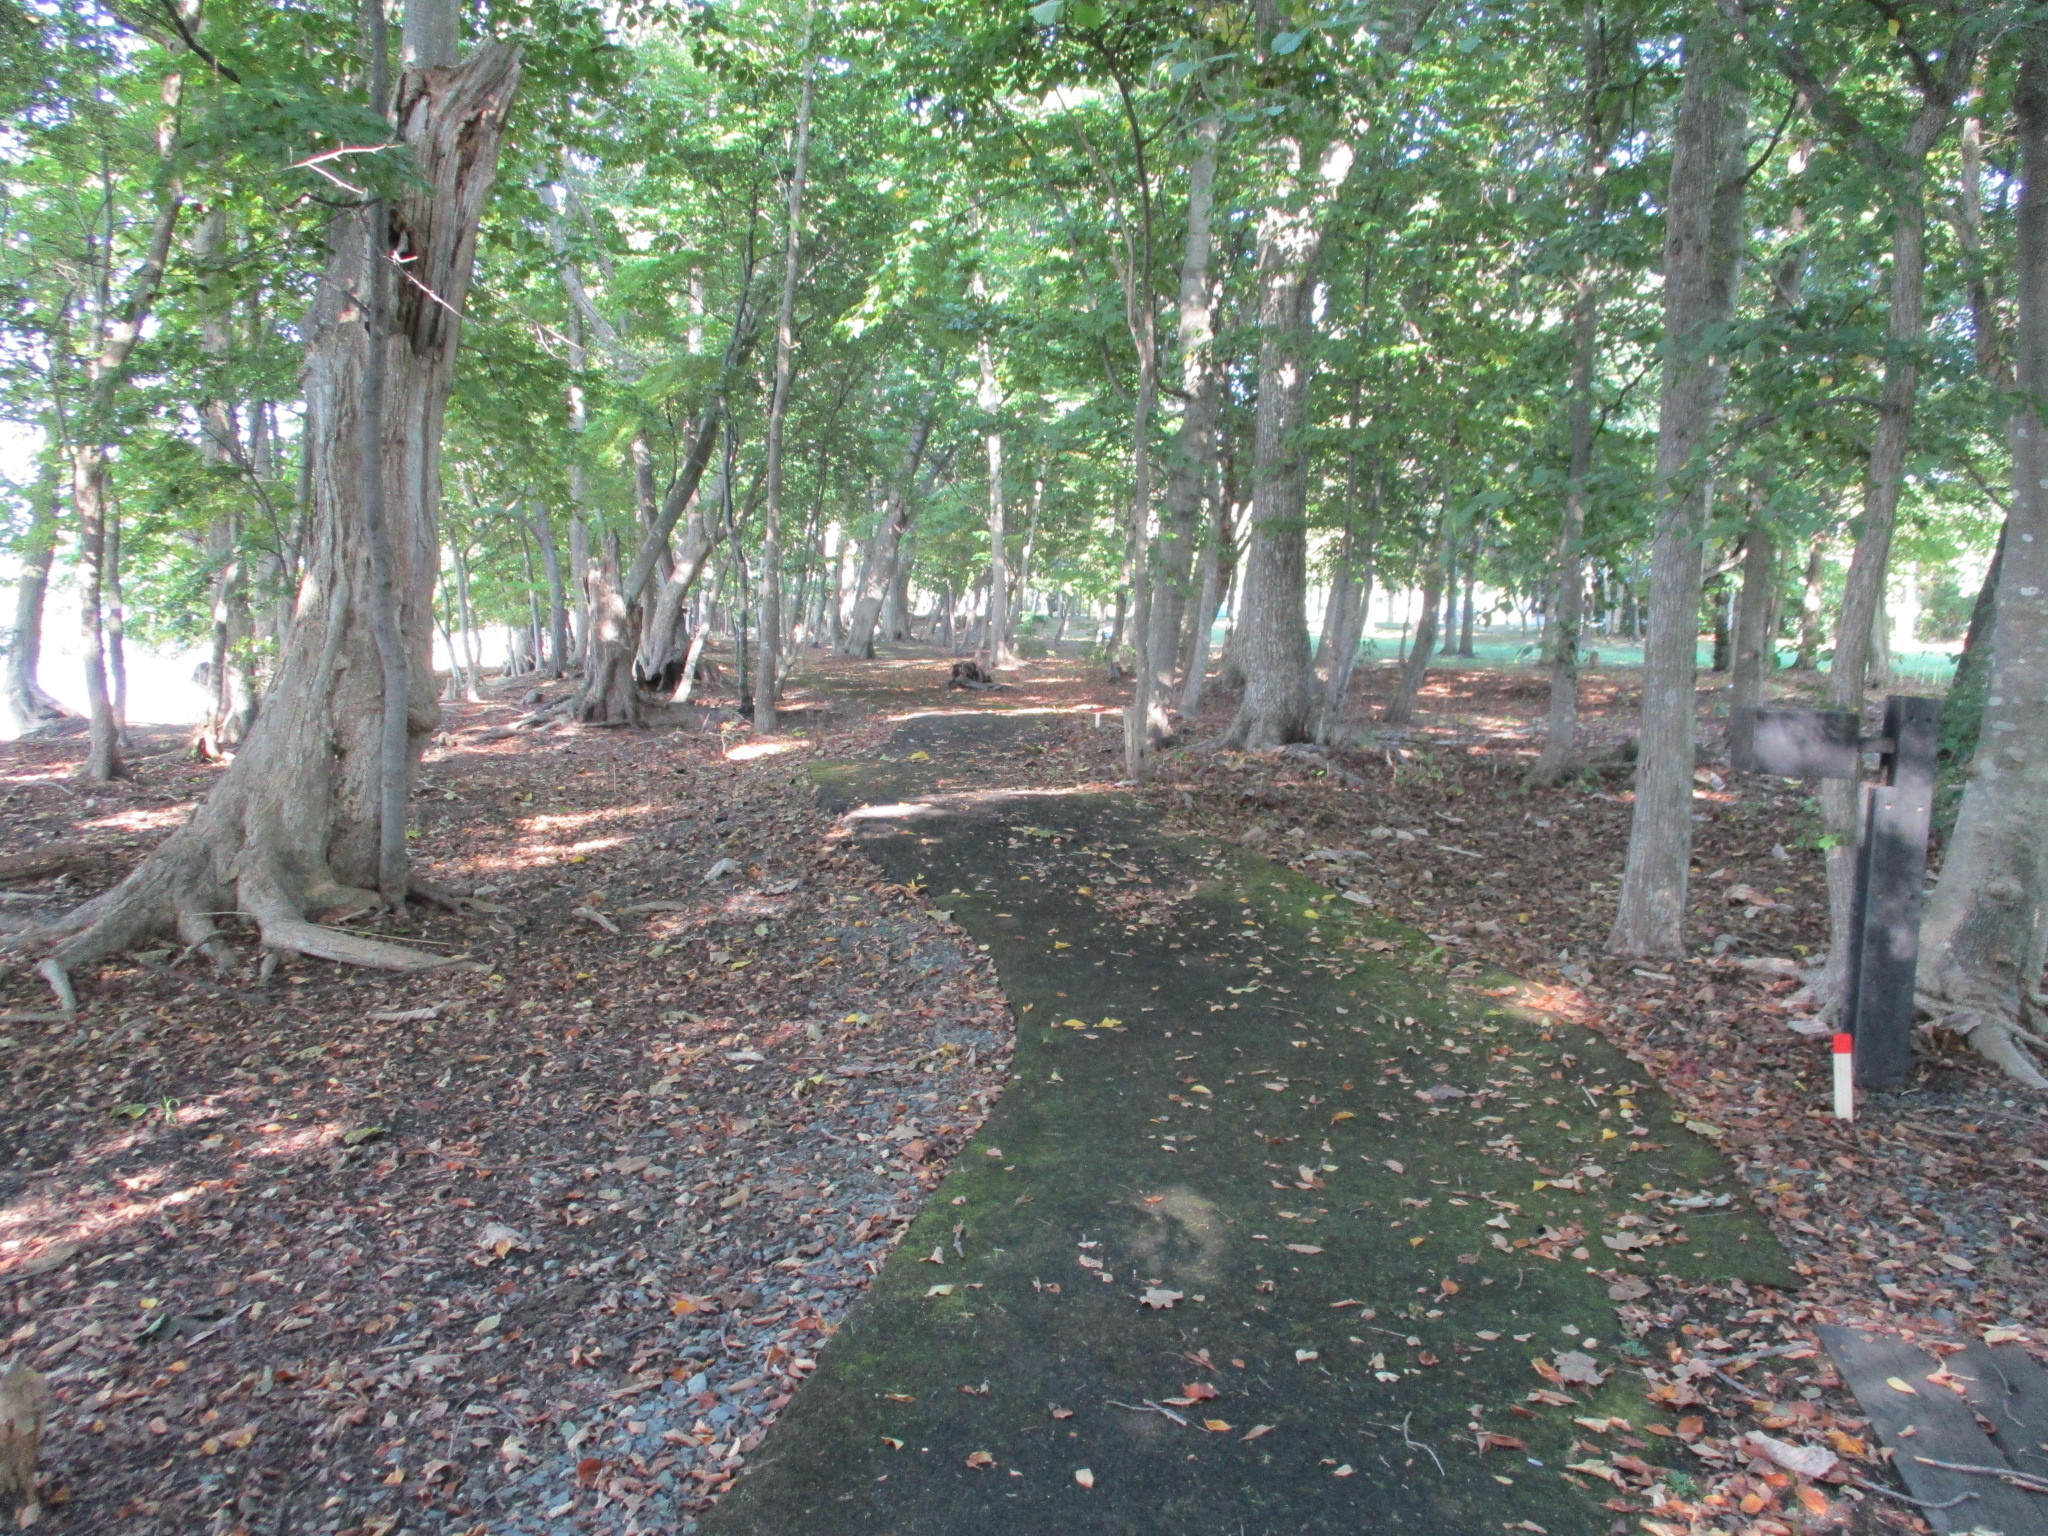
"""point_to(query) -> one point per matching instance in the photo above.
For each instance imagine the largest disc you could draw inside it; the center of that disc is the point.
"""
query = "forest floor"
(546, 1242)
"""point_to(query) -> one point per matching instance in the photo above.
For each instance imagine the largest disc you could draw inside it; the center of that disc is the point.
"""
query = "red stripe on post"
(1845, 1044)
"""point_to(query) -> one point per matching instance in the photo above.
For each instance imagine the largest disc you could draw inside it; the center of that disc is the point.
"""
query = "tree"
(300, 822)
(1702, 264)
(1984, 939)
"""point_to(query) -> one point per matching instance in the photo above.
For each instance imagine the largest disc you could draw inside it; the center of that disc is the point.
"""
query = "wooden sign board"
(1800, 744)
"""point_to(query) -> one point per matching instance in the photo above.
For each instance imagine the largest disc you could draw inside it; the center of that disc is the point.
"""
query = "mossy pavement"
(1362, 1274)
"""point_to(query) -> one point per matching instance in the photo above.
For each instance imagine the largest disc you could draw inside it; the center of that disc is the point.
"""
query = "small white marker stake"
(1845, 1076)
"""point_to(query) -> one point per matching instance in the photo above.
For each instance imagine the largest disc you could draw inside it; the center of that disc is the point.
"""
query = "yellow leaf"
(1216, 1426)
(1898, 1384)
(1341, 1116)
(1198, 1088)
(1417, 1242)
(918, 757)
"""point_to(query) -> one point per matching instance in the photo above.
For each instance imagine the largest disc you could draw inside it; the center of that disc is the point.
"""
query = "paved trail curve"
(1280, 1120)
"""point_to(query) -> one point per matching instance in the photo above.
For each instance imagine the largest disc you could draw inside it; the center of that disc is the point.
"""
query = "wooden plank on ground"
(2010, 1389)
(1932, 1423)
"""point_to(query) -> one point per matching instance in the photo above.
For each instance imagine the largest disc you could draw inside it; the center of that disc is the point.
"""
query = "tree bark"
(1811, 611)
(1400, 709)
(558, 605)
(878, 569)
(27, 702)
(1754, 639)
(1560, 734)
(768, 675)
(1279, 702)
(1219, 551)
(1187, 470)
(1985, 936)
(1904, 166)
(990, 398)
(293, 826)
(1702, 262)
(1356, 576)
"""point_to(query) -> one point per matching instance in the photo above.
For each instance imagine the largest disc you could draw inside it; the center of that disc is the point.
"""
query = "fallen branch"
(2026, 1480)
(592, 915)
(1906, 1498)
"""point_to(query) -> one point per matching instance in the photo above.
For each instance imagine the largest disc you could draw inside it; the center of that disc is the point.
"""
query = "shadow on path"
(1279, 1119)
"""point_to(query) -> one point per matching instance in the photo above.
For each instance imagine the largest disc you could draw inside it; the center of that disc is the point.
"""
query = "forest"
(1251, 381)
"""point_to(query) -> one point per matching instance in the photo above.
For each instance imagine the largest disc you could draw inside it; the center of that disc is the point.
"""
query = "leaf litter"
(545, 1240)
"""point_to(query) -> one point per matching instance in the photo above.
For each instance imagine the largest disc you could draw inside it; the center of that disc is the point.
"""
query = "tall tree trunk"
(1400, 709)
(117, 629)
(1985, 936)
(1562, 634)
(1194, 445)
(1465, 602)
(1812, 614)
(558, 606)
(89, 500)
(878, 569)
(1218, 566)
(1279, 700)
(1702, 263)
(1358, 579)
(27, 702)
(1022, 589)
(577, 581)
(465, 631)
(1904, 168)
(768, 675)
(90, 450)
(294, 826)
(990, 399)
(1754, 638)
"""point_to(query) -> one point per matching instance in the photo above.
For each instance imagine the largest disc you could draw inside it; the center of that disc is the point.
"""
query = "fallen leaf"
(1256, 1431)
(1579, 1369)
(1806, 1460)
(1158, 1298)
(1303, 1248)
(980, 1460)
(1084, 1477)
(1899, 1384)
(1217, 1426)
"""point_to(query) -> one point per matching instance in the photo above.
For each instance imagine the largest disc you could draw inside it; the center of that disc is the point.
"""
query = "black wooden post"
(1891, 868)
(1891, 862)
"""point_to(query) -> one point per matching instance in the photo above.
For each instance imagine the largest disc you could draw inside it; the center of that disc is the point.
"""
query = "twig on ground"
(1148, 1406)
(1906, 1498)
(2025, 1480)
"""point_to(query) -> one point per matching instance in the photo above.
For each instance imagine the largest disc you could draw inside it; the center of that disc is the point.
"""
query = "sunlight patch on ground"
(576, 821)
(748, 751)
(166, 819)
(1005, 714)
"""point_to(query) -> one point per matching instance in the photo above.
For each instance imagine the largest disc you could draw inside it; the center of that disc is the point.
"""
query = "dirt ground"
(544, 1241)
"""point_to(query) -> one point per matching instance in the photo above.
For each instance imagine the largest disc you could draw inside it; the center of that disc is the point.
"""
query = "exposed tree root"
(1998, 1039)
(175, 894)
